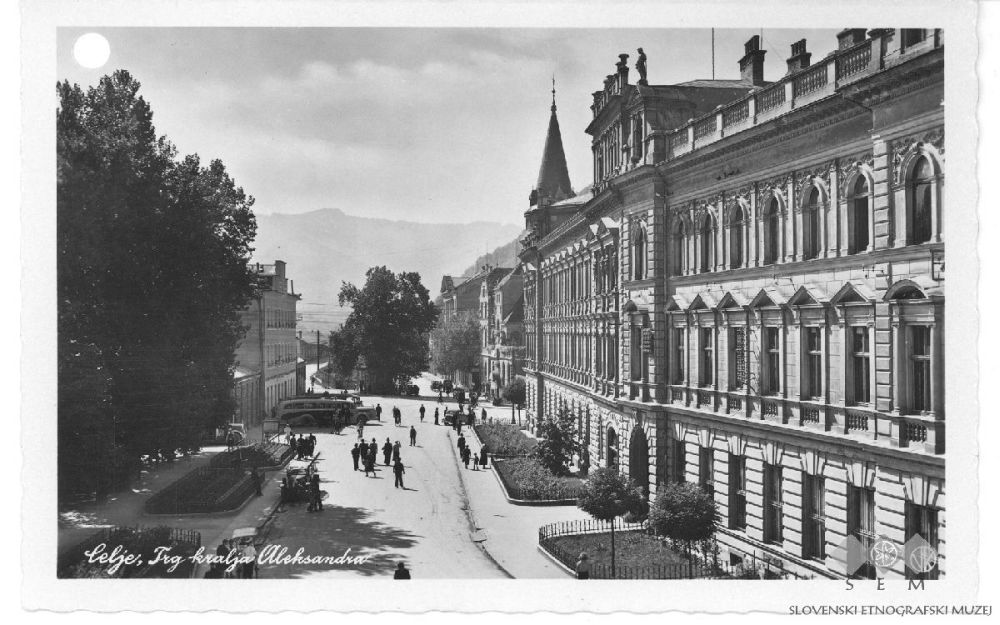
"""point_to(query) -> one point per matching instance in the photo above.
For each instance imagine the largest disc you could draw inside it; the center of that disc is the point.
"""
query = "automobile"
(447, 385)
(436, 385)
(413, 390)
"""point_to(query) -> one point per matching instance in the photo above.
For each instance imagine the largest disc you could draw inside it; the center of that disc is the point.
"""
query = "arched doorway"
(638, 459)
(612, 449)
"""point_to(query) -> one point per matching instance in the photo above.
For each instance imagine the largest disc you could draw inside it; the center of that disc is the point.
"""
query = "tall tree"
(455, 344)
(609, 495)
(684, 512)
(558, 442)
(391, 316)
(152, 270)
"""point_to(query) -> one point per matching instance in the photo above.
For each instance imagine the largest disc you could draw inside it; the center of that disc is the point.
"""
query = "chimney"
(800, 58)
(622, 66)
(850, 37)
(752, 63)
(279, 268)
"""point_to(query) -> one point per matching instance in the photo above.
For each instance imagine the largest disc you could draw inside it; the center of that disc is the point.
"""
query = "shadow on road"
(331, 532)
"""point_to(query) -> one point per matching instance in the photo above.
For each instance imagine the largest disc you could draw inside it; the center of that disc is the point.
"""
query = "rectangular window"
(706, 470)
(913, 36)
(920, 361)
(772, 504)
(738, 357)
(772, 361)
(860, 365)
(679, 461)
(679, 354)
(707, 360)
(814, 362)
(737, 492)
(813, 517)
(861, 525)
(921, 559)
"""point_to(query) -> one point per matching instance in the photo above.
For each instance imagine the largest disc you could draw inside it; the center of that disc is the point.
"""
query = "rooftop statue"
(640, 66)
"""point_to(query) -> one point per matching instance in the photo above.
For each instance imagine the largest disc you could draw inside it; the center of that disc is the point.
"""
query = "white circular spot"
(91, 50)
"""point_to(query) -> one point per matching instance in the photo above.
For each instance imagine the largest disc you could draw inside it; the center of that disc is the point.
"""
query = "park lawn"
(632, 548)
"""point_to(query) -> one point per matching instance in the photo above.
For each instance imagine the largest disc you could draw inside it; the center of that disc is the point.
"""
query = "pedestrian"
(315, 496)
(413, 436)
(401, 572)
(436, 414)
(249, 560)
(378, 411)
(398, 470)
(221, 551)
(461, 442)
(483, 415)
(288, 434)
(422, 410)
(482, 457)
(386, 451)
(466, 453)
(361, 430)
(369, 465)
(395, 451)
(255, 476)
(475, 462)
(356, 455)
(312, 442)
(440, 397)
(583, 567)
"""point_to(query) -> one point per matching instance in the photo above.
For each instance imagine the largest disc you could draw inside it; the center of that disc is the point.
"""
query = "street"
(425, 525)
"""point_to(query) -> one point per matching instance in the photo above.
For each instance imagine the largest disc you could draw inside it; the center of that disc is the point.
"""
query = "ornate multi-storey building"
(501, 317)
(751, 297)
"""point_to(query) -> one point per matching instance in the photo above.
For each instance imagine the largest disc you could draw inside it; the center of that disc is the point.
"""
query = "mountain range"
(326, 247)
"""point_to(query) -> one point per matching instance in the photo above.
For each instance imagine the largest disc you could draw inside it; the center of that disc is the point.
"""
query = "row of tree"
(153, 257)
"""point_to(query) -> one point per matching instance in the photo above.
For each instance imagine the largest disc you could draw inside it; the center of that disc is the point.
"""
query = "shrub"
(684, 512)
(527, 478)
(503, 439)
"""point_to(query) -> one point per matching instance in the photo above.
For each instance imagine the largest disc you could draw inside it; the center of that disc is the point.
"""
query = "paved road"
(425, 525)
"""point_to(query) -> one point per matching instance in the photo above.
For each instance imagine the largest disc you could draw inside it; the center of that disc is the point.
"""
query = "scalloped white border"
(40, 590)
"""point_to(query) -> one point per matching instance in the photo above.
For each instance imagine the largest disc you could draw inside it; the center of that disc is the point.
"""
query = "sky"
(437, 125)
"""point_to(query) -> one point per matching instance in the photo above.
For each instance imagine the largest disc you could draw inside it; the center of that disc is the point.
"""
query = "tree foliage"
(558, 442)
(610, 494)
(455, 344)
(390, 318)
(683, 512)
(516, 391)
(152, 269)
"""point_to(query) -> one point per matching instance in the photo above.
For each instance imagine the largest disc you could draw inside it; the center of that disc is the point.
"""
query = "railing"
(854, 61)
(809, 81)
(769, 408)
(736, 114)
(736, 404)
(857, 422)
(915, 433)
(706, 398)
(771, 98)
(705, 127)
(810, 415)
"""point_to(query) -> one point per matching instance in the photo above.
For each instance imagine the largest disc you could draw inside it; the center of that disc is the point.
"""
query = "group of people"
(302, 446)
(365, 455)
(465, 452)
(230, 552)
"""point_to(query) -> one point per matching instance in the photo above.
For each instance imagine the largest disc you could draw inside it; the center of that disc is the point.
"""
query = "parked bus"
(317, 410)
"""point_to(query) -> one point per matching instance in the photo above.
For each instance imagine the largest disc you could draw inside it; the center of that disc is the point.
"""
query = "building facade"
(752, 298)
(461, 296)
(270, 346)
(501, 316)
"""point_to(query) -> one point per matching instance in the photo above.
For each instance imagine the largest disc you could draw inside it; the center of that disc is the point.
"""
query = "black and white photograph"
(637, 309)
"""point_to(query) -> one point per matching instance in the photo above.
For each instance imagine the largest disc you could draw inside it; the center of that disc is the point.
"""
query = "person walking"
(583, 567)
(401, 572)
(369, 465)
(378, 411)
(356, 455)
(395, 451)
(363, 452)
(437, 413)
(422, 411)
(255, 476)
(482, 457)
(288, 434)
(461, 442)
(373, 451)
(475, 462)
(361, 431)
(386, 451)
(466, 453)
(483, 415)
(413, 436)
(398, 469)
(249, 560)
(315, 496)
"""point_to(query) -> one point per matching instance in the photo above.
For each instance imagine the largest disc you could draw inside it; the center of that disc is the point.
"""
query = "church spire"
(553, 176)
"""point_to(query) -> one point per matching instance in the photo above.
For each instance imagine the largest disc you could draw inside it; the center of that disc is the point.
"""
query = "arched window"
(678, 256)
(858, 217)
(736, 238)
(639, 253)
(612, 449)
(771, 233)
(810, 225)
(919, 216)
(707, 244)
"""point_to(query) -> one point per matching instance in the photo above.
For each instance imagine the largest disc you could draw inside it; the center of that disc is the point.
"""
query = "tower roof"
(553, 175)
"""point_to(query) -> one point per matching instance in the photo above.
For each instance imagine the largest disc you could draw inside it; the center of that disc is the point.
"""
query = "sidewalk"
(127, 508)
(509, 532)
